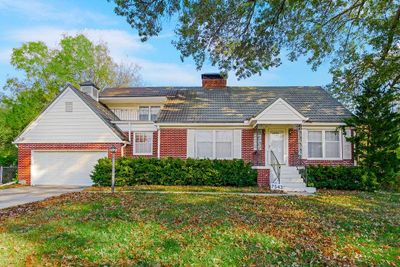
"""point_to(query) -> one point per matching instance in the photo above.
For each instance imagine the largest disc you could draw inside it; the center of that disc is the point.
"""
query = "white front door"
(277, 144)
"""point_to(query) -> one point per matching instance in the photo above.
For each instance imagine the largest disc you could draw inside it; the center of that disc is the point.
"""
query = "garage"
(63, 167)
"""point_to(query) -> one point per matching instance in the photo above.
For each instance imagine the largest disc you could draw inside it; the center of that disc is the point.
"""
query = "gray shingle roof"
(237, 104)
(139, 91)
(102, 111)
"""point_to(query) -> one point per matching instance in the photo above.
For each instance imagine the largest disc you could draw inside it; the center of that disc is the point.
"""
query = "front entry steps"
(291, 181)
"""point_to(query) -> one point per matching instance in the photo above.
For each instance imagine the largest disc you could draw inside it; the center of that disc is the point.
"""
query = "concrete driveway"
(21, 195)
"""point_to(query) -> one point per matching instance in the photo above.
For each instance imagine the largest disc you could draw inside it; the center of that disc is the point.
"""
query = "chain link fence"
(7, 174)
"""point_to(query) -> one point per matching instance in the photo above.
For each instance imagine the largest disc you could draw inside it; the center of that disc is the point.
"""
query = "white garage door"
(63, 168)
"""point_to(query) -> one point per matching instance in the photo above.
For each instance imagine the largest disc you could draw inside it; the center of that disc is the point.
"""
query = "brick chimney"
(213, 80)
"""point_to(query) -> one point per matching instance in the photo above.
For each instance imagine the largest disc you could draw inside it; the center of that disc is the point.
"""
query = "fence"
(7, 174)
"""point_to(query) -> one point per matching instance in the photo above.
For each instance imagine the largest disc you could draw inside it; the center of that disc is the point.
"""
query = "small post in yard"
(1, 174)
(113, 150)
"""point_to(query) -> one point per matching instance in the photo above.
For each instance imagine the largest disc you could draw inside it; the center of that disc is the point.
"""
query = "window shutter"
(237, 144)
(190, 143)
(304, 141)
(347, 153)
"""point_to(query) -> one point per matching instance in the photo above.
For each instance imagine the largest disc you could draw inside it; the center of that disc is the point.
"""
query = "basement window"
(69, 107)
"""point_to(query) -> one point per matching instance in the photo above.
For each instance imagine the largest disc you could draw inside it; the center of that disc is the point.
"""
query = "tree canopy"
(46, 71)
(358, 37)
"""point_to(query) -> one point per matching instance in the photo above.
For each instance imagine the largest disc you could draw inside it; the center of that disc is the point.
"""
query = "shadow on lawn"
(146, 229)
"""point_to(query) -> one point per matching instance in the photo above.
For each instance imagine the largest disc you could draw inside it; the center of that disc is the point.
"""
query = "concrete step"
(294, 184)
(299, 189)
(291, 180)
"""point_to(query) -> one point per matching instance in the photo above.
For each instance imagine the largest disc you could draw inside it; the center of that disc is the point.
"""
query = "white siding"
(56, 125)
(190, 143)
(237, 144)
(304, 141)
(280, 111)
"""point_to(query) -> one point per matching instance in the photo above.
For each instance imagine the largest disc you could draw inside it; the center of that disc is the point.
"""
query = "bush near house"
(338, 177)
(174, 171)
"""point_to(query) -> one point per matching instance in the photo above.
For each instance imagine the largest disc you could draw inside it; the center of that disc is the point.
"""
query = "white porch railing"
(126, 114)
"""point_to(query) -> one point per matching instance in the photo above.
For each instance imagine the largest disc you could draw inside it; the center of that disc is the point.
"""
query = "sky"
(40, 20)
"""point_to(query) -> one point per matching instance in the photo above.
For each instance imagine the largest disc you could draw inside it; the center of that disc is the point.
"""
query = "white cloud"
(120, 42)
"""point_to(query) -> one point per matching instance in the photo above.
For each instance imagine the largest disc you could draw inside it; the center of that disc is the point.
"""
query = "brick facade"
(173, 142)
(263, 177)
(248, 152)
(129, 148)
(25, 153)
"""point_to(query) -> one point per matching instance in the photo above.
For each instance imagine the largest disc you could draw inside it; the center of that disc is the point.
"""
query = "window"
(143, 113)
(257, 140)
(223, 144)
(323, 144)
(332, 144)
(204, 144)
(143, 143)
(69, 107)
(315, 144)
(147, 113)
(214, 144)
(154, 113)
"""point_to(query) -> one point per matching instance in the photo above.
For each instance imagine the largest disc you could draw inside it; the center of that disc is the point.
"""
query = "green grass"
(332, 228)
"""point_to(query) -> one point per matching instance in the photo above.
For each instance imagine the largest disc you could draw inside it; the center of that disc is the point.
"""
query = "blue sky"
(32, 20)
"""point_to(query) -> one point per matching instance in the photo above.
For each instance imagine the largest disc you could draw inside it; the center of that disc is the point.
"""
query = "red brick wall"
(248, 153)
(294, 148)
(24, 154)
(173, 142)
(263, 177)
(129, 148)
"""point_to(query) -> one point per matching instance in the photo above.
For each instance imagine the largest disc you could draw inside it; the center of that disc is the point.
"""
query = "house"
(271, 127)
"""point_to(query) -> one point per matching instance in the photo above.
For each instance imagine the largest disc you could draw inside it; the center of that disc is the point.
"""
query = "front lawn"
(345, 228)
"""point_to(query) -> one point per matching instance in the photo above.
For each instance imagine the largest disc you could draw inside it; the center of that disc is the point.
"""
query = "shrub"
(339, 177)
(174, 171)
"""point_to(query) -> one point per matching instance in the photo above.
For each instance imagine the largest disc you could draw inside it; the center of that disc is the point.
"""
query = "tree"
(377, 134)
(360, 37)
(46, 71)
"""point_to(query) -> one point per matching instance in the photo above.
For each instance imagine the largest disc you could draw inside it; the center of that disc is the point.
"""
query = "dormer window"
(148, 113)
(69, 107)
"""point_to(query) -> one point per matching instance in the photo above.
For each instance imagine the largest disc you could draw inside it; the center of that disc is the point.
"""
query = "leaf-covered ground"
(332, 228)
(184, 188)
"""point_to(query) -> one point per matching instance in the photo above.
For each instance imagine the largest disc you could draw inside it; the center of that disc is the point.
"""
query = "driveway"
(21, 195)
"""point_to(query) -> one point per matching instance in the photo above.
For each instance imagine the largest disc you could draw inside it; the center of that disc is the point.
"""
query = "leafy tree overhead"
(359, 37)
(377, 137)
(46, 71)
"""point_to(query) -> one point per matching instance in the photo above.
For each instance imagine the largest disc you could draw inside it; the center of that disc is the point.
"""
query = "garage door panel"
(64, 168)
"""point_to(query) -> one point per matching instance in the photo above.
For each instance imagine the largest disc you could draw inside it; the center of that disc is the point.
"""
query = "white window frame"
(69, 106)
(134, 144)
(214, 144)
(324, 144)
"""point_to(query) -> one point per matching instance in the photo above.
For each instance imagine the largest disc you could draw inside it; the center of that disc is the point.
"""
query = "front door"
(277, 144)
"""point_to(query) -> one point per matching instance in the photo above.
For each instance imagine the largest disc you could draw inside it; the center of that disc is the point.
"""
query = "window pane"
(143, 113)
(332, 150)
(224, 150)
(143, 143)
(204, 150)
(154, 113)
(315, 149)
(315, 136)
(257, 140)
(331, 136)
(224, 136)
(204, 136)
